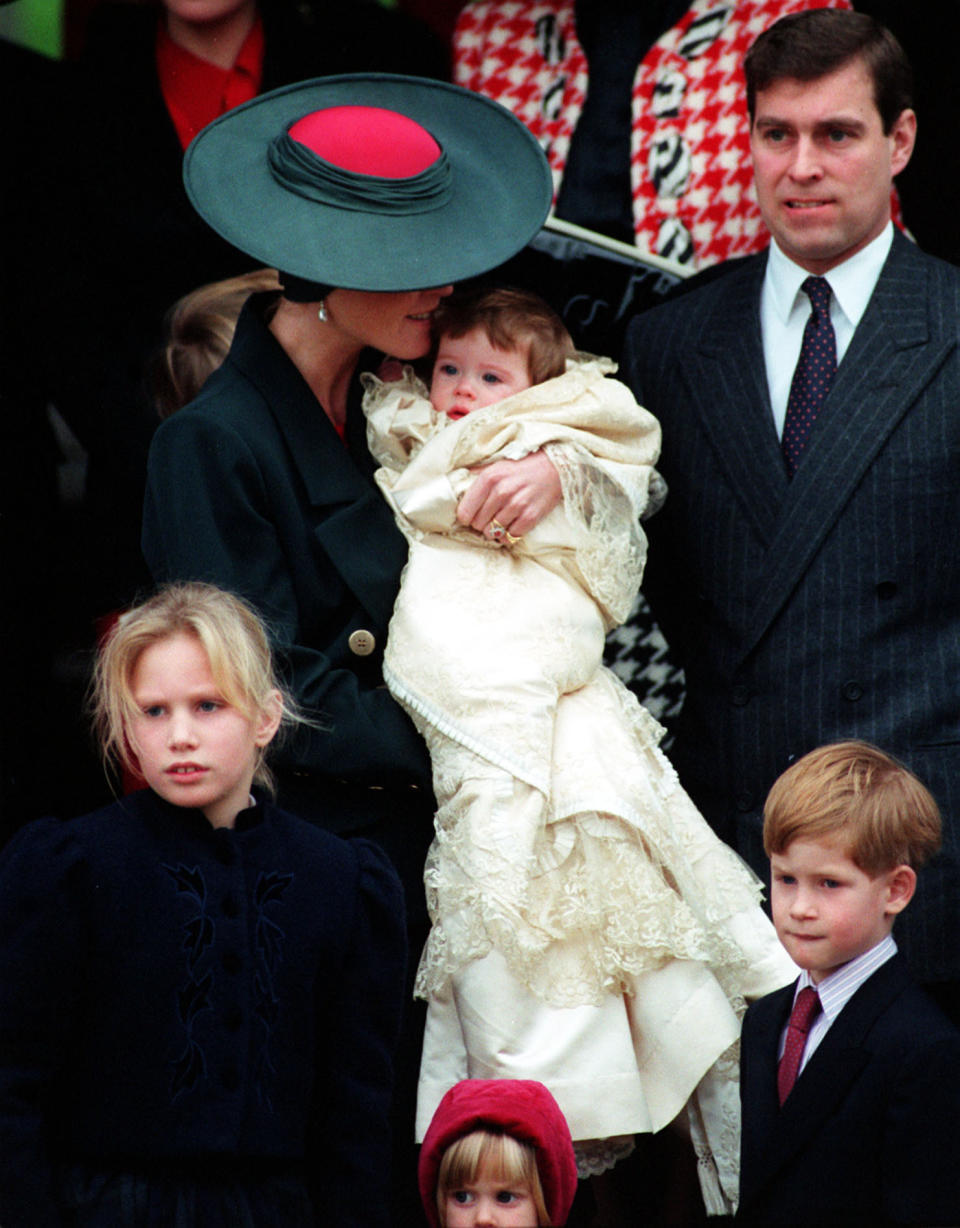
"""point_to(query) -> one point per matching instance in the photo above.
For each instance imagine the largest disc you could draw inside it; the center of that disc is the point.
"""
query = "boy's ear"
(901, 884)
(268, 722)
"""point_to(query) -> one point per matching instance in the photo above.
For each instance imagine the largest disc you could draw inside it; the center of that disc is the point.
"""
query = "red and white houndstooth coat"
(692, 184)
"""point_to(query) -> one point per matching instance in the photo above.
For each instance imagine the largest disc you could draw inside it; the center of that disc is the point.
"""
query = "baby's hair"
(511, 319)
(198, 331)
(232, 636)
(854, 794)
(499, 1156)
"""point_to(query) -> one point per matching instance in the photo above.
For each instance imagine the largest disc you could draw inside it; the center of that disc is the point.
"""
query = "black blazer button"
(852, 690)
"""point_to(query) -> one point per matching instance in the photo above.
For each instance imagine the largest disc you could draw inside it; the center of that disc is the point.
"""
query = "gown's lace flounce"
(598, 894)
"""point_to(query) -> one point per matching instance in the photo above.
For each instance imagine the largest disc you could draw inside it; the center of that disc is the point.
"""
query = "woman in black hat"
(372, 194)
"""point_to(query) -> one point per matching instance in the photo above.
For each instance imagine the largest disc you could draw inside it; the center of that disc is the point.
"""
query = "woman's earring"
(322, 312)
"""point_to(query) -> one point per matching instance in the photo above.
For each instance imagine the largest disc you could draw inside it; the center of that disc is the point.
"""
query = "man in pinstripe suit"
(824, 605)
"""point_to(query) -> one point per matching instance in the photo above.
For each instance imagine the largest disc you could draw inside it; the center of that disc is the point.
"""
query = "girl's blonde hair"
(501, 1157)
(237, 647)
(199, 331)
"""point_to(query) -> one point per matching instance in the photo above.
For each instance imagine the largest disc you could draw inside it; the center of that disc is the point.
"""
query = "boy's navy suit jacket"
(870, 1133)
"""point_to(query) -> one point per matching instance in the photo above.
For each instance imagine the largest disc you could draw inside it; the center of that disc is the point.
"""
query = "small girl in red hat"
(498, 1152)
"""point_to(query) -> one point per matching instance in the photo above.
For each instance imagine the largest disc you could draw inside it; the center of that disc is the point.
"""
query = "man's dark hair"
(810, 45)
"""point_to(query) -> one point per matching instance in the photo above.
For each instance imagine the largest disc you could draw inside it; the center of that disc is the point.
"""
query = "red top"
(196, 91)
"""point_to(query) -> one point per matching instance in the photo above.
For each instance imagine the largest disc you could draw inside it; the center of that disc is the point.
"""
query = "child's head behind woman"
(491, 344)
(184, 691)
(497, 1151)
(199, 330)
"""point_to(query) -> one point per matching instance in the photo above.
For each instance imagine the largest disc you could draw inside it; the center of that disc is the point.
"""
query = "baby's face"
(470, 372)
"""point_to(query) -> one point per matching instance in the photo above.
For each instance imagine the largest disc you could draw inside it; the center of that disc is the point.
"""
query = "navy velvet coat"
(174, 994)
(827, 607)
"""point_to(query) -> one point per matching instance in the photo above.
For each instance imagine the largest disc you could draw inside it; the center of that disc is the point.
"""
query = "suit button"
(852, 690)
(744, 802)
(740, 695)
(886, 589)
(362, 643)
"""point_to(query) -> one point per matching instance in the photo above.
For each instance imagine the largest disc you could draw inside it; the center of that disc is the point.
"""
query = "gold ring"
(511, 540)
(497, 531)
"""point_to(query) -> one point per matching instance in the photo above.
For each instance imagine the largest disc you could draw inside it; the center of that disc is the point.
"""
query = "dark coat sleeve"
(349, 1153)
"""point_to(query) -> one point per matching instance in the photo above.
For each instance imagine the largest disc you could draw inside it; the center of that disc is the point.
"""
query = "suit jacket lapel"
(357, 529)
(729, 373)
(771, 1015)
(892, 356)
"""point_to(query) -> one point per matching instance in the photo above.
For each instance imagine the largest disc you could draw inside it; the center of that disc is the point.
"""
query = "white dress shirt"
(836, 990)
(784, 309)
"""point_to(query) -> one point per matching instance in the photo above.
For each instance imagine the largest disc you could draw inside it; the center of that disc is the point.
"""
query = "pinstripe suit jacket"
(825, 607)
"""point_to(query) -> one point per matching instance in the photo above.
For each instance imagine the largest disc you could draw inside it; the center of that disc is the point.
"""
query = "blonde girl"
(199, 993)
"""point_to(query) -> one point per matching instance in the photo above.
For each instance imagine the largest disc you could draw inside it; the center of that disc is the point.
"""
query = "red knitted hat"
(521, 1108)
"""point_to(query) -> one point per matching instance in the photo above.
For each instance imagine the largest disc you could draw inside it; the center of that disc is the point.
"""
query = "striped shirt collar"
(838, 988)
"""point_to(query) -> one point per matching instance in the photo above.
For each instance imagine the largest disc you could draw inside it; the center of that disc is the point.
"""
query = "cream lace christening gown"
(589, 930)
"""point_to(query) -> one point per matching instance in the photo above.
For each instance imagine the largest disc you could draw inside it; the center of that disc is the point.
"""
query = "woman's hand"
(506, 499)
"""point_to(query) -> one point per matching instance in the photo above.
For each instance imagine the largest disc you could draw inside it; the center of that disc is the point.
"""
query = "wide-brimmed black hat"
(370, 181)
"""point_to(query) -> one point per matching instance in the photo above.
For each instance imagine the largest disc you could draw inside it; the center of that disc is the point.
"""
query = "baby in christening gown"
(589, 930)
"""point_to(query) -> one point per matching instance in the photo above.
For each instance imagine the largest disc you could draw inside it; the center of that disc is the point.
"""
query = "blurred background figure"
(930, 35)
(198, 330)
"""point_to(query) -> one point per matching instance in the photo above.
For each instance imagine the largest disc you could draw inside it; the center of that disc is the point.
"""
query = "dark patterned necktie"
(816, 368)
(805, 1010)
